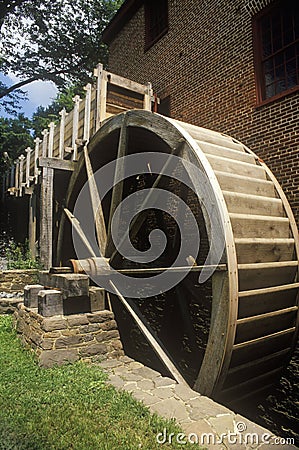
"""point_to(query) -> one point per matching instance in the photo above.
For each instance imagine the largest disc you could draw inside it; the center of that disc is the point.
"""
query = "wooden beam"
(28, 156)
(56, 163)
(63, 115)
(45, 143)
(51, 139)
(117, 191)
(46, 217)
(21, 170)
(36, 156)
(77, 101)
(147, 100)
(98, 72)
(32, 225)
(76, 224)
(96, 205)
(125, 83)
(86, 129)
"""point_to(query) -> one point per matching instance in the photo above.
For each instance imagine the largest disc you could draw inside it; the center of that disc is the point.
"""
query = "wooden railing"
(110, 95)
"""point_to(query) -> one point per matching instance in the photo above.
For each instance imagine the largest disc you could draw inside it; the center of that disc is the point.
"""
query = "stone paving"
(202, 420)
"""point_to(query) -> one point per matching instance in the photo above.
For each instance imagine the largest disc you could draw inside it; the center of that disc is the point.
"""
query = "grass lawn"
(69, 407)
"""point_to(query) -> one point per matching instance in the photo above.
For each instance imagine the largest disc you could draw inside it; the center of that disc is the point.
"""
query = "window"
(276, 45)
(156, 21)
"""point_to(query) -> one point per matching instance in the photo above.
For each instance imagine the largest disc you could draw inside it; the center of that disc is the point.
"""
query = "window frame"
(258, 59)
(148, 40)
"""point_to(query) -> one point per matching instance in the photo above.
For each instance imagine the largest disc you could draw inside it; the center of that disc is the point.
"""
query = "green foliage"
(69, 407)
(44, 115)
(19, 257)
(57, 40)
(14, 138)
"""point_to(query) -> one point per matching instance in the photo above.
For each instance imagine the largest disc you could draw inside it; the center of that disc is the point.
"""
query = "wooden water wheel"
(232, 335)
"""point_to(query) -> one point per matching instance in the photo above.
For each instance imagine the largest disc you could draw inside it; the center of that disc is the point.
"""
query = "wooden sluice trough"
(229, 336)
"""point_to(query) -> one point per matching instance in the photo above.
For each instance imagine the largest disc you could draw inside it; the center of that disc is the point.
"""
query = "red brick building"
(232, 66)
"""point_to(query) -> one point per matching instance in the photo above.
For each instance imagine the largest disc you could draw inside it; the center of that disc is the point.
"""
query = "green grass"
(69, 407)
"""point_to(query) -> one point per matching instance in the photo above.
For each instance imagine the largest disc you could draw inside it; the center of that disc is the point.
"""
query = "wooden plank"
(46, 217)
(17, 174)
(57, 163)
(36, 156)
(253, 204)
(86, 133)
(76, 225)
(51, 139)
(263, 291)
(77, 101)
(237, 167)
(258, 226)
(246, 185)
(63, 115)
(256, 250)
(117, 190)
(45, 134)
(145, 329)
(27, 175)
(262, 275)
(99, 74)
(96, 205)
(147, 101)
(32, 225)
(103, 100)
(21, 174)
(125, 83)
(218, 150)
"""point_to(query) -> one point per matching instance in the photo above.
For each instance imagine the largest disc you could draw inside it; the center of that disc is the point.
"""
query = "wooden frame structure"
(59, 148)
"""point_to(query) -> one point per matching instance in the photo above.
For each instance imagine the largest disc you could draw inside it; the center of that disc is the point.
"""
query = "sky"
(40, 93)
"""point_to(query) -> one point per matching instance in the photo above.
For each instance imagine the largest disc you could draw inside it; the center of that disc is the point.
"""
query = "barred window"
(156, 21)
(276, 46)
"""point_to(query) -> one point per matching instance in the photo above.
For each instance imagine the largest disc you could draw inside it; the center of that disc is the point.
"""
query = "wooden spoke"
(117, 191)
(96, 205)
(139, 219)
(76, 224)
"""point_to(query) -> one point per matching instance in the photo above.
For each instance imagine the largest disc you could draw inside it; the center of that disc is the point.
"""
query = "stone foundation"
(16, 280)
(63, 339)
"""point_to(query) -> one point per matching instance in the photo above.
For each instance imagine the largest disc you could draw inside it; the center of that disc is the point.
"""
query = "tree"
(44, 115)
(56, 40)
(14, 138)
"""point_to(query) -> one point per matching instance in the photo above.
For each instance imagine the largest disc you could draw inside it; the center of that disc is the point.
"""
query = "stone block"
(70, 284)
(77, 320)
(50, 303)
(54, 323)
(101, 316)
(93, 349)
(50, 358)
(97, 298)
(31, 295)
(68, 341)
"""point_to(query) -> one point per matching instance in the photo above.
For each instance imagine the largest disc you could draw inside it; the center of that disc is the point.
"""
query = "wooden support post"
(12, 175)
(28, 151)
(101, 98)
(63, 115)
(45, 143)
(17, 175)
(98, 72)
(86, 132)
(36, 156)
(51, 139)
(77, 101)
(147, 101)
(21, 172)
(46, 217)
(32, 225)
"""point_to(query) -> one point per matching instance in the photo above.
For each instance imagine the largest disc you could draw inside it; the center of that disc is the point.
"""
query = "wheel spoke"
(117, 191)
(96, 205)
(76, 224)
(139, 219)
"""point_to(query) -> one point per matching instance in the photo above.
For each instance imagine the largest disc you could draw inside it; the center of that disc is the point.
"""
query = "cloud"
(40, 93)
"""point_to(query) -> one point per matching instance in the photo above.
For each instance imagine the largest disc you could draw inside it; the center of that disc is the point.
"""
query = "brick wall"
(205, 64)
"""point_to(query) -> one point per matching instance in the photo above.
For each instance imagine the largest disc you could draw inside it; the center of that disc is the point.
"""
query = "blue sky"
(40, 93)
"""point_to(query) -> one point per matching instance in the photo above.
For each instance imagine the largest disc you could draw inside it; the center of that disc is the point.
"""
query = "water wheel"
(232, 334)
